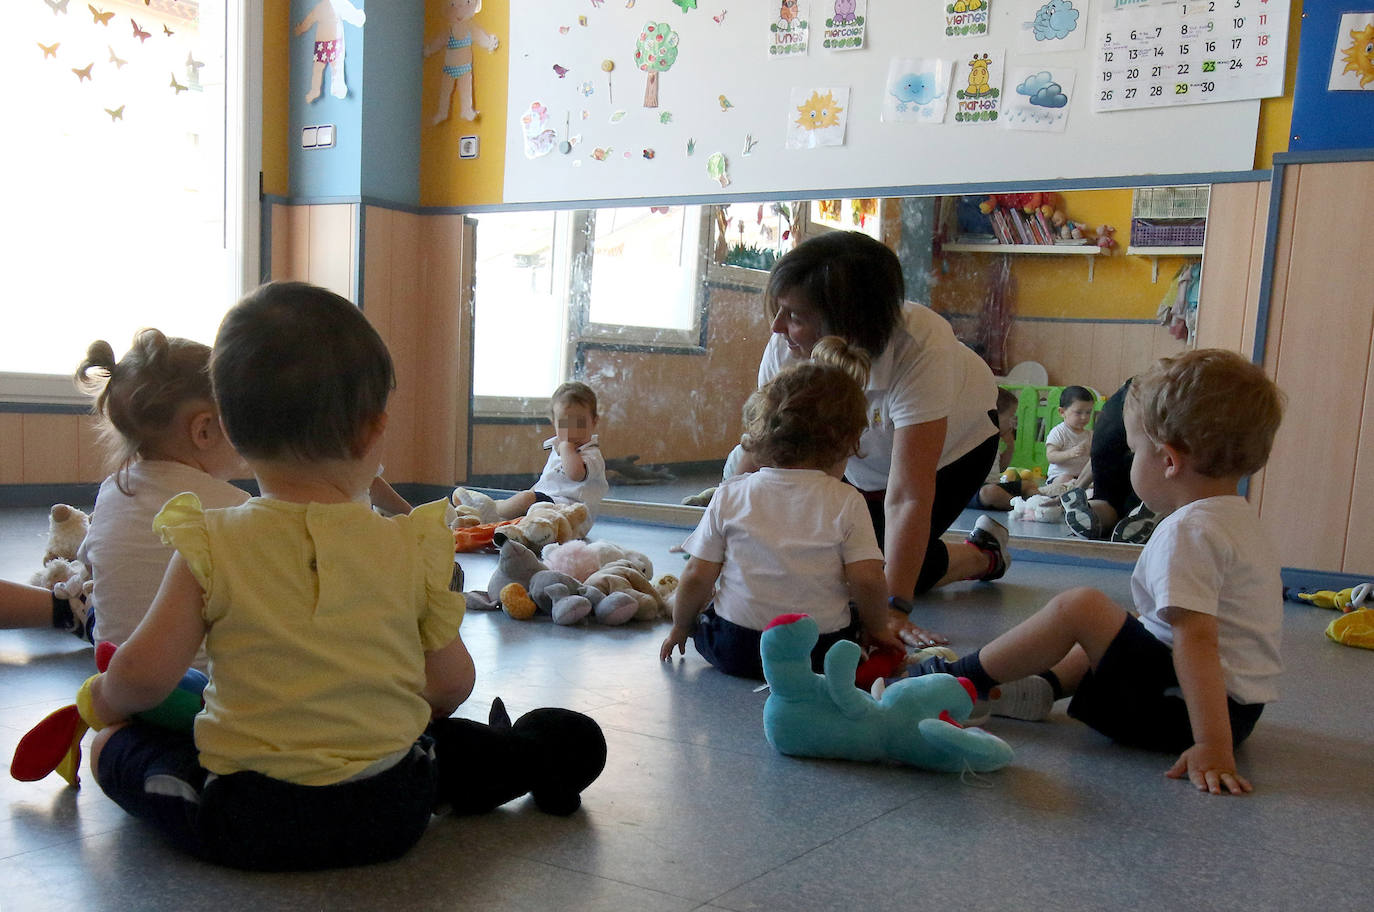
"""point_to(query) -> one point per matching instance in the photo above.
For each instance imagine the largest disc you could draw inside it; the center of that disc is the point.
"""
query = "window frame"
(242, 174)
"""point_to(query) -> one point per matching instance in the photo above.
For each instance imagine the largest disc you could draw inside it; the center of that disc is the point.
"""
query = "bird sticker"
(49, 50)
(138, 32)
(560, 70)
(101, 17)
(115, 113)
(177, 88)
(725, 103)
(57, 6)
(116, 59)
(84, 73)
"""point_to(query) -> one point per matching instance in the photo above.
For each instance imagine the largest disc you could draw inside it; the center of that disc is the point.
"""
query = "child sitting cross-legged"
(1190, 670)
(791, 536)
(331, 631)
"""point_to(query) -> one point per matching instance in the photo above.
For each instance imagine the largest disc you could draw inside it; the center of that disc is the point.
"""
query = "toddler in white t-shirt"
(791, 536)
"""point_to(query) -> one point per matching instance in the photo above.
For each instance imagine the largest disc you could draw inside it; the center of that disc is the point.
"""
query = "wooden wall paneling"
(50, 448)
(283, 224)
(378, 308)
(332, 244)
(1104, 357)
(441, 400)
(1327, 324)
(1263, 193)
(11, 448)
(1359, 534)
(1229, 292)
(297, 265)
(510, 449)
(406, 329)
(92, 465)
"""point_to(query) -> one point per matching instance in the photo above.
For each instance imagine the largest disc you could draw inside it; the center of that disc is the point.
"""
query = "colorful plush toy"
(1105, 239)
(544, 523)
(915, 722)
(54, 745)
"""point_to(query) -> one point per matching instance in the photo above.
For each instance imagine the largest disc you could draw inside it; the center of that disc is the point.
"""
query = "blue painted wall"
(391, 104)
(1323, 119)
(326, 172)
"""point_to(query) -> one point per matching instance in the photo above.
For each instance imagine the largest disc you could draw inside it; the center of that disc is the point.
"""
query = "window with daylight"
(128, 205)
(547, 282)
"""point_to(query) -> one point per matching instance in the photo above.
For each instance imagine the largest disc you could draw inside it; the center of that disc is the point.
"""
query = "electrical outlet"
(467, 147)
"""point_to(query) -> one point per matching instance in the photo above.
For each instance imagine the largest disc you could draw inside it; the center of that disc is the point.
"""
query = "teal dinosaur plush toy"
(915, 722)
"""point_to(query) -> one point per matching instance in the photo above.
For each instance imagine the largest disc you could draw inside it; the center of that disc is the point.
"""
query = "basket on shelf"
(1168, 232)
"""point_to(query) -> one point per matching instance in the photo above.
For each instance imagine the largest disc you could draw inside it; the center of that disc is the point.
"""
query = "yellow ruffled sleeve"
(181, 524)
(443, 611)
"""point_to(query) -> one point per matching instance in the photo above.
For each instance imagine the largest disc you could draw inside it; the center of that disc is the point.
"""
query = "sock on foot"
(1056, 687)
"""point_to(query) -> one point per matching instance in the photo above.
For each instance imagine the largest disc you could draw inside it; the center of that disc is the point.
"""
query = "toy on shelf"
(1105, 239)
(916, 722)
(54, 744)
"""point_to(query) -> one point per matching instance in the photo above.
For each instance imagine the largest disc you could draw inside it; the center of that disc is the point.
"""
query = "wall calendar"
(1189, 52)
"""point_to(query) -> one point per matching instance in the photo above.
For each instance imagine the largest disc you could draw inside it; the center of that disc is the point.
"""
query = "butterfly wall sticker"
(49, 50)
(115, 113)
(138, 32)
(84, 73)
(168, 32)
(115, 58)
(177, 87)
(101, 16)
(57, 6)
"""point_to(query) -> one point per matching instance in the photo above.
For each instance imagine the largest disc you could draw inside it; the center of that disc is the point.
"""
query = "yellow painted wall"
(1276, 114)
(445, 179)
(276, 84)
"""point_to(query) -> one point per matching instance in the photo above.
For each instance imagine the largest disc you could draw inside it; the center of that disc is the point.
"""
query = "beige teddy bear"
(546, 522)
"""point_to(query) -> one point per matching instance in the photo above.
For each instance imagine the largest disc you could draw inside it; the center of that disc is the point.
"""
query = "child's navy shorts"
(1133, 696)
(248, 820)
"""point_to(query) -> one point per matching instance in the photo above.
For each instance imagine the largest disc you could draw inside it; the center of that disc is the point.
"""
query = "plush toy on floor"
(522, 585)
(1346, 600)
(611, 568)
(916, 722)
(544, 523)
(551, 753)
(1037, 508)
(63, 574)
(54, 745)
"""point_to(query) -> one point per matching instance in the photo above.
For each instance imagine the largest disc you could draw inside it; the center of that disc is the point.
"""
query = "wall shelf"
(1088, 250)
(1154, 253)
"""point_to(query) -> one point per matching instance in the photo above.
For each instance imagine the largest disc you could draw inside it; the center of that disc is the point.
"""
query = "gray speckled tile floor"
(696, 811)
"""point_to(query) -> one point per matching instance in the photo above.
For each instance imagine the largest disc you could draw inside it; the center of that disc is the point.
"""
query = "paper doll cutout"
(456, 43)
(967, 18)
(845, 28)
(817, 117)
(1041, 100)
(328, 17)
(788, 34)
(917, 90)
(1058, 25)
(1352, 66)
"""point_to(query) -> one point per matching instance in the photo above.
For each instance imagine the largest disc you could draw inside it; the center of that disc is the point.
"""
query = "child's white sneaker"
(1029, 699)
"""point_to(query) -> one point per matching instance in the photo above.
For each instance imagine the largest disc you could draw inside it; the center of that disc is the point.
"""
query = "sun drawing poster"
(917, 90)
(1352, 66)
(1040, 99)
(817, 117)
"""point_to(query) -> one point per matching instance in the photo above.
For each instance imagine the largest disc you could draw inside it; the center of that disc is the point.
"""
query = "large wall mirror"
(658, 307)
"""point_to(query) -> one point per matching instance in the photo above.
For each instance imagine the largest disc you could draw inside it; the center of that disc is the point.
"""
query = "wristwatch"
(897, 603)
